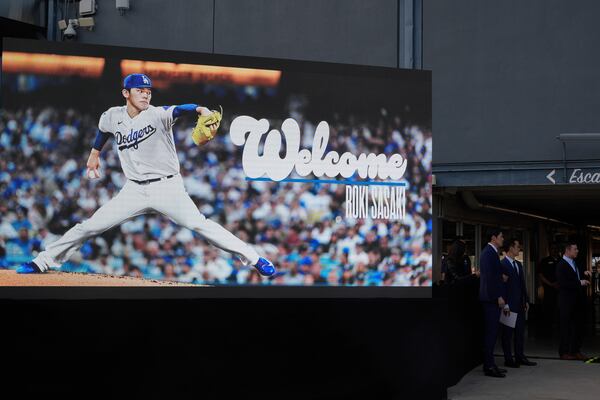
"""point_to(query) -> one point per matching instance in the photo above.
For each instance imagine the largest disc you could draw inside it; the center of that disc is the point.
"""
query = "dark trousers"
(572, 315)
(491, 318)
(518, 332)
(549, 307)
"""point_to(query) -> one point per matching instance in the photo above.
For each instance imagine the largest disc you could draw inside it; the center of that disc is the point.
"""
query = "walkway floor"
(551, 379)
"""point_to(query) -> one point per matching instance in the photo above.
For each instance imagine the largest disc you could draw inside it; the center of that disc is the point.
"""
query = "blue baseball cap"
(137, 81)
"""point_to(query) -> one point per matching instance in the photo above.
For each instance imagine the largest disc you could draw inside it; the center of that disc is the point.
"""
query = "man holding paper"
(518, 302)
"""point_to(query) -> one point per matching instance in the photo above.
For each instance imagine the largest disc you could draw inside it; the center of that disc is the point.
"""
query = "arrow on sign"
(550, 176)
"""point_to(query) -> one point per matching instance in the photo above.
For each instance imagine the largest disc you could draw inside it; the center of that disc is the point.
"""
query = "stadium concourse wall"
(221, 347)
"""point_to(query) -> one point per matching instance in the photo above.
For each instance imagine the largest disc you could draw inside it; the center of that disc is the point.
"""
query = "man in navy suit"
(571, 303)
(518, 302)
(491, 295)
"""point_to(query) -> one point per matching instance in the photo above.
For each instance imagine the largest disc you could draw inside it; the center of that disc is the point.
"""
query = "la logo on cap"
(145, 79)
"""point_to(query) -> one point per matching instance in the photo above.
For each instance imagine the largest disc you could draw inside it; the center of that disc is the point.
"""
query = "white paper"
(508, 320)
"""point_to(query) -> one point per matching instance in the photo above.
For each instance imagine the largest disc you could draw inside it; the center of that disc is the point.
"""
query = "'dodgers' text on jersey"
(145, 143)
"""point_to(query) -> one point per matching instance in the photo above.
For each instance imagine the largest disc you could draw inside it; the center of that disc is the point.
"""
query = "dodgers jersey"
(145, 143)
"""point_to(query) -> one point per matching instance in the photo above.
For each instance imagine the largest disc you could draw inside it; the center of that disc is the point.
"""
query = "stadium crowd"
(301, 227)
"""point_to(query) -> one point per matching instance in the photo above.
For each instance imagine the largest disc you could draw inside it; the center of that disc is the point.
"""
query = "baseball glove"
(201, 133)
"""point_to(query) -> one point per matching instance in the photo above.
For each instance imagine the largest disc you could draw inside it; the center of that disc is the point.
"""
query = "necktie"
(516, 267)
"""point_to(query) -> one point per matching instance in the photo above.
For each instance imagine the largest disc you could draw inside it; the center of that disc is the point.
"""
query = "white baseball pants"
(167, 197)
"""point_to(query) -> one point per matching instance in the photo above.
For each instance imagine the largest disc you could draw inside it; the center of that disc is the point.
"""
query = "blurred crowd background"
(301, 227)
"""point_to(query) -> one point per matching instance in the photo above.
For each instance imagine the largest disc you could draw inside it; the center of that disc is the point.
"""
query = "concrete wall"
(175, 24)
(509, 76)
(346, 31)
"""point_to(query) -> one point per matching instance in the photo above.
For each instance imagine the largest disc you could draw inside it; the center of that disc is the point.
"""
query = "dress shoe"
(580, 356)
(493, 372)
(511, 364)
(525, 361)
(567, 356)
(502, 370)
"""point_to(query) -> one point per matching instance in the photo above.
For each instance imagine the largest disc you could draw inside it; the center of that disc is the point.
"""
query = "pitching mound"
(55, 278)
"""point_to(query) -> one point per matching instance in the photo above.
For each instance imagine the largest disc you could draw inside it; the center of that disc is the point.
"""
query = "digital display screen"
(312, 174)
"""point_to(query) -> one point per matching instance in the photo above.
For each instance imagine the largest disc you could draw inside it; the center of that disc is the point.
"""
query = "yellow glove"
(202, 132)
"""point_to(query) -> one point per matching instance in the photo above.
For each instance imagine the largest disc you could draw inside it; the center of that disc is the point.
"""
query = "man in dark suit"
(518, 302)
(491, 297)
(571, 303)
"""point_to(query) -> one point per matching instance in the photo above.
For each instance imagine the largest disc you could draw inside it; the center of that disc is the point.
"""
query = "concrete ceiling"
(576, 204)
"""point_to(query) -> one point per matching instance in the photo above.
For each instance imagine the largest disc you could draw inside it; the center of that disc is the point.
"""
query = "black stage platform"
(221, 348)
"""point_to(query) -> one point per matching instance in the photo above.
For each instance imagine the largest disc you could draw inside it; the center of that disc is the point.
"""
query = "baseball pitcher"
(146, 149)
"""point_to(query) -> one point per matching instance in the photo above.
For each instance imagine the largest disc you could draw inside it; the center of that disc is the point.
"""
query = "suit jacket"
(490, 279)
(515, 287)
(570, 288)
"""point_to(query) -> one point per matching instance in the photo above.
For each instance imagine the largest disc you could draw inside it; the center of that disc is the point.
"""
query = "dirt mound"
(56, 278)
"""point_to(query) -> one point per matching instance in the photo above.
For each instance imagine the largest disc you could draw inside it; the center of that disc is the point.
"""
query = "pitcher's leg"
(225, 240)
(184, 212)
(128, 203)
(171, 200)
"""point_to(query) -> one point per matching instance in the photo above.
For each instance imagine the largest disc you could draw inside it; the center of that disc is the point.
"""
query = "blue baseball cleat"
(29, 268)
(265, 267)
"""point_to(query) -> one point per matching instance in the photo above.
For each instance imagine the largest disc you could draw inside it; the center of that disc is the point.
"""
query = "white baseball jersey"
(145, 143)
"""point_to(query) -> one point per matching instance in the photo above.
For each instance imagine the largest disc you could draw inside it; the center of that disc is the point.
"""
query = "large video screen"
(312, 174)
